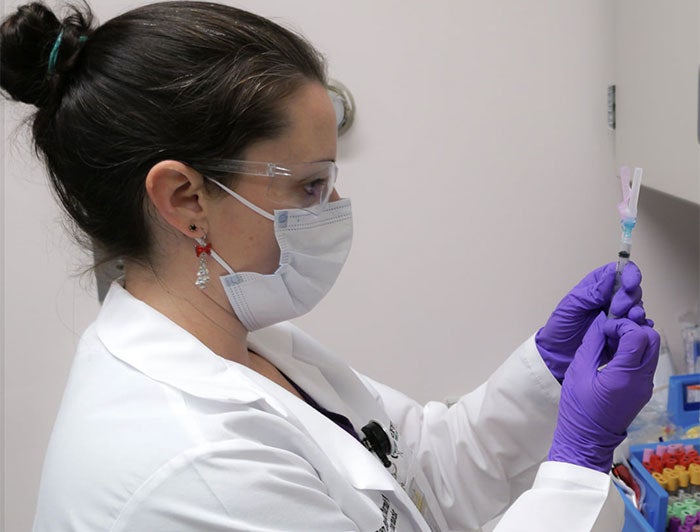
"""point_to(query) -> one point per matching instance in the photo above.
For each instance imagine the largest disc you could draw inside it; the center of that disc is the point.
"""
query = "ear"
(177, 192)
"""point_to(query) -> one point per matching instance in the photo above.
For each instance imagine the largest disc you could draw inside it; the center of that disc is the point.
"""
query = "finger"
(610, 348)
(651, 355)
(624, 300)
(650, 323)
(599, 273)
(618, 327)
(631, 277)
(632, 344)
(589, 355)
(595, 290)
(638, 315)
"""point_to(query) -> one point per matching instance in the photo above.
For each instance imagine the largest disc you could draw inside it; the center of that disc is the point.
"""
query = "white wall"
(481, 172)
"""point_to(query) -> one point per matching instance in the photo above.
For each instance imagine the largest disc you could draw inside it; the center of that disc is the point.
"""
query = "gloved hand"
(561, 336)
(597, 406)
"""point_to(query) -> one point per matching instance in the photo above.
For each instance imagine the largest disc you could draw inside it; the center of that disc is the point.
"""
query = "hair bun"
(27, 39)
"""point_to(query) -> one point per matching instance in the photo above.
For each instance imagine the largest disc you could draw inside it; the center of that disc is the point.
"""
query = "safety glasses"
(289, 185)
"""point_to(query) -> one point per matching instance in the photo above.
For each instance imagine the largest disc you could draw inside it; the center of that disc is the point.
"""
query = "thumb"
(595, 290)
(630, 293)
(589, 355)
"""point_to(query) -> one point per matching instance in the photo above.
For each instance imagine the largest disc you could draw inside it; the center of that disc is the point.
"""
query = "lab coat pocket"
(421, 494)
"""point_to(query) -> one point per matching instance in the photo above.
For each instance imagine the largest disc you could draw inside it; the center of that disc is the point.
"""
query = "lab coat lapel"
(276, 344)
(326, 378)
(347, 455)
(334, 379)
(319, 372)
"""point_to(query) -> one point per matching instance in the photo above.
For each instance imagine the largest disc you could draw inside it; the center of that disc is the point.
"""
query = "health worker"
(197, 142)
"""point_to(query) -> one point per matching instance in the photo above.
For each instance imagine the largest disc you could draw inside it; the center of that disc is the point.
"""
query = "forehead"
(311, 134)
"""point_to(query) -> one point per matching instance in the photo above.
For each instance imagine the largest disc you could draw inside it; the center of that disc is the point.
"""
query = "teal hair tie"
(53, 56)
(54, 53)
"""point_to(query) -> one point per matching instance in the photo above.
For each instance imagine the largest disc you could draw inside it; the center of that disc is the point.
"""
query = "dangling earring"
(202, 250)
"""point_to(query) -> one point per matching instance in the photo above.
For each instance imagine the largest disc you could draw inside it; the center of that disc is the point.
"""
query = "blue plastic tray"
(656, 498)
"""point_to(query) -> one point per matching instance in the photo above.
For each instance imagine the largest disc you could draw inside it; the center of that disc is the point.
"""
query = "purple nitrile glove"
(597, 406)
(561, 336)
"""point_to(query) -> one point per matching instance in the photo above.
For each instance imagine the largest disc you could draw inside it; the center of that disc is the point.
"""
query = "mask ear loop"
(244, 201)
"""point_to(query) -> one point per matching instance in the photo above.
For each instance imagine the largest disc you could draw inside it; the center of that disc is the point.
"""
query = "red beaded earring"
(203, 270)
(202, 249)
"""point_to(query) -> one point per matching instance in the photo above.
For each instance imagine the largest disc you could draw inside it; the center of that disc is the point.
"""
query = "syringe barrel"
(623, 257)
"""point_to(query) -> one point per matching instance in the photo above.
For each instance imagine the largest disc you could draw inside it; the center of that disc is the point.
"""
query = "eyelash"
(309, 187)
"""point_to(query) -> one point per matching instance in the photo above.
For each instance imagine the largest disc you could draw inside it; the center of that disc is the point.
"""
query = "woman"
(197, 142)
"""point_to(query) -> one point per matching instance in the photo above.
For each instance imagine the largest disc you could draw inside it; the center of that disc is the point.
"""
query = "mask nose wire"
(244, 201)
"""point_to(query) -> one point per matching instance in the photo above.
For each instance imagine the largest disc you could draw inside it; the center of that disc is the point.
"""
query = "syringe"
(628, 219)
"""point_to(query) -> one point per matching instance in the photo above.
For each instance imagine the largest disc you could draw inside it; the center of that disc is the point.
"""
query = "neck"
(206, 314)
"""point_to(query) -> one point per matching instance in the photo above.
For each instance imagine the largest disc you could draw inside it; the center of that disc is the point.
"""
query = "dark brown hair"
(190, 81)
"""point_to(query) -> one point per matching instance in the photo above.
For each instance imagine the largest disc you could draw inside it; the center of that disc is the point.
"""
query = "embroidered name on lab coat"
(390, 516)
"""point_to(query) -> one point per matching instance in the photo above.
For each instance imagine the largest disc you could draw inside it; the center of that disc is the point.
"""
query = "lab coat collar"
(133, 332)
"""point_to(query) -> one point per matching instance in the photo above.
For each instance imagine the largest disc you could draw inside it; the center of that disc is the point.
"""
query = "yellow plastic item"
(672, 481)
(695, 476)
(661, 479)
(683, 478)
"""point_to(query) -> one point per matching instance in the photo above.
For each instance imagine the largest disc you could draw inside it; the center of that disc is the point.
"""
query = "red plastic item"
(621, 472)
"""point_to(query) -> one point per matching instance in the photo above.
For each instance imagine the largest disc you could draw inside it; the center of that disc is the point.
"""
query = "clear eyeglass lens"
(303, 185)
(289, 185)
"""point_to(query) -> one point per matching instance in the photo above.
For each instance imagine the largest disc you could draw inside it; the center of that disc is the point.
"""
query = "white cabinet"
(657, 61)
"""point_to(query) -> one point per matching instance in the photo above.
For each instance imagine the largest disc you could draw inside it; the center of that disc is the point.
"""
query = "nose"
(334, 195)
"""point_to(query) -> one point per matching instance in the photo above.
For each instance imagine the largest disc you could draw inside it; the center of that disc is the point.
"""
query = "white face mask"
(313, 250)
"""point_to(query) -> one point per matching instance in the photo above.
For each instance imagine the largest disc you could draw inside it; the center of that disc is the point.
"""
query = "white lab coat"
(158, 433)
